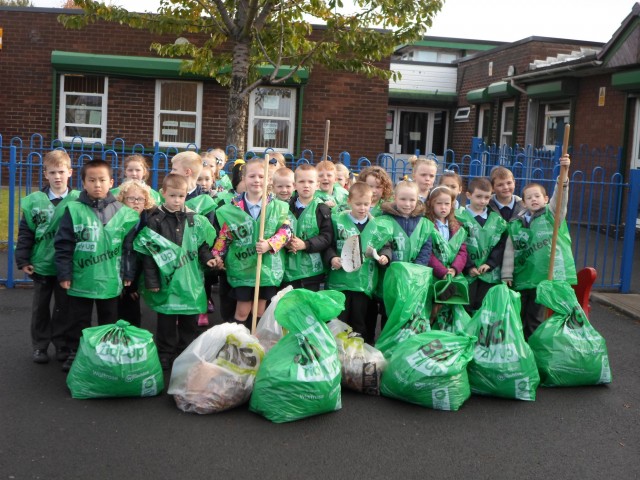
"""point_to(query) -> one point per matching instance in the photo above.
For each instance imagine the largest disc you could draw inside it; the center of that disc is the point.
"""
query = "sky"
(498, 20)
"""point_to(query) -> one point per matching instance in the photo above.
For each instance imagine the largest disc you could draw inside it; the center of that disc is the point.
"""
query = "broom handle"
(263, 215)
(326, 140)
(564, 172)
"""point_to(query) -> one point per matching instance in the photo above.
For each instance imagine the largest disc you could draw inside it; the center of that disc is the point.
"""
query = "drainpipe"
(520, 89)
(299, 122)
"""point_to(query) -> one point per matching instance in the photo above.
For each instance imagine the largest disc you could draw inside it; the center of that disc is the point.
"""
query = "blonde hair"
(359, 189)
(136, 158)
(191, 160)
(417, 162)
(216, 159)
(500, 173)
(305, 167)
(283, 172)
(128, 185)
(278, 157)
(173, 180)
(406, 184)
(326, 165)
(56, 158)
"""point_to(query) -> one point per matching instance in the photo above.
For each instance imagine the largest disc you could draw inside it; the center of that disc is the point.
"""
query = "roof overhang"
(146, 67)
(501, 90)
(440, 98)
(629, 80)
(479, 95)
(556, 89)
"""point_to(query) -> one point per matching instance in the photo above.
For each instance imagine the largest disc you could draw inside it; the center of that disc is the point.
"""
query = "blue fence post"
(476, 147)
(630, 231)
(12, 207)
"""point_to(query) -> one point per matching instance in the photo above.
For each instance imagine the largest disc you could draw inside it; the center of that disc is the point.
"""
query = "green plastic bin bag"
(300, 376)
(452, 318)
(116, 360)
(430, 369)
(362, 364)
(407, 300)
(503, 364)
(216, 371)
(568, 350)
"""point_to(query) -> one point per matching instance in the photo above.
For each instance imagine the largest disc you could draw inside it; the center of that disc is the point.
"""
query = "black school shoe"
(66, 366)
(40, 356)
(62, 353)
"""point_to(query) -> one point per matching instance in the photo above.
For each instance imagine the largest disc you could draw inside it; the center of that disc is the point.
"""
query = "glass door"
(408, 132)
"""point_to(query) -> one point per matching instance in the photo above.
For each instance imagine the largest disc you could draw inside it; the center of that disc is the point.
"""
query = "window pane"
(85, 132)
(179, 96)
(272, 102)
(84, 84)
(177, 128)
(271, 133)
(508, 119)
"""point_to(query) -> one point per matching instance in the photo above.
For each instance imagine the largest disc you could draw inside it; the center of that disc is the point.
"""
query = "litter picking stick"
(263, 215)
(326, 140)
(564, 172)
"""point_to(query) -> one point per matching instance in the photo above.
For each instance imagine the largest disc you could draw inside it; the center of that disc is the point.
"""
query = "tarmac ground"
(569, 433)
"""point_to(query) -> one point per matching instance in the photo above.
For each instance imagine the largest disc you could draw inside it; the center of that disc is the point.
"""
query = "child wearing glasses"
(136, 195)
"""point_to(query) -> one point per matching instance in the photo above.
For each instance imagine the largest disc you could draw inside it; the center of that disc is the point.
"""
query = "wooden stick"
(326, 140)
(564, 172)
(263, 215)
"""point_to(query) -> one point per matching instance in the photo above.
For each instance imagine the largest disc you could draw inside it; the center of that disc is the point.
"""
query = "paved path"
(570, 433)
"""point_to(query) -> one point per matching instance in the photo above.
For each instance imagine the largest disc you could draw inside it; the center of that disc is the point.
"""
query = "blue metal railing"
(602, 228)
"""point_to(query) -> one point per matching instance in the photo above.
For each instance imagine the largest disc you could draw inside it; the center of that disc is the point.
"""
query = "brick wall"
(355, 105)
(589, 118)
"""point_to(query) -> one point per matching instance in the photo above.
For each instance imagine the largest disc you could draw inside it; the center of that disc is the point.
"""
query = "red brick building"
(102, 83)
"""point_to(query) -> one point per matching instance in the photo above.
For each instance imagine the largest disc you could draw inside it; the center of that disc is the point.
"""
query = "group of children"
(109, 247)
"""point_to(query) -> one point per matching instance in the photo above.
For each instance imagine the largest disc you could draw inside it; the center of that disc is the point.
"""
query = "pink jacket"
(458, 264)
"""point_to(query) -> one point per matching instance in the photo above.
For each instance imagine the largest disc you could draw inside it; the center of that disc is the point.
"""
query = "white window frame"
(548, 114)
(158, 112)
(291, 118)
(462, 114)
(504, 133)
(62, 112)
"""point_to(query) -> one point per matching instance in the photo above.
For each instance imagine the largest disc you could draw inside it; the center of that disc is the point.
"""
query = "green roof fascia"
(449, 44)
(151, 67)
(118, 65)
(501, 90)
(479, 95)
(555, 89)
(445, 97)
(629, 80)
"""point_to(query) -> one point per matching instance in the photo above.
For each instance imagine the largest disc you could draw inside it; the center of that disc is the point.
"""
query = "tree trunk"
(238, 107)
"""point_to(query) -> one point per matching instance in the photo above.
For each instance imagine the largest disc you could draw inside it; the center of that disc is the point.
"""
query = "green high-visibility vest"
(481, 240)
(302, 264)
(43, 219)
(241, 259)
(202, 204)
(224, 182)
(98, 252)
(532, 250)
(181, 273)
(339, 196)
(446, 251)
(405, 248)
(364, 279)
